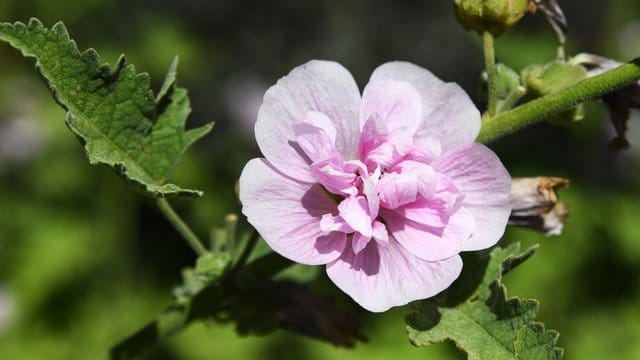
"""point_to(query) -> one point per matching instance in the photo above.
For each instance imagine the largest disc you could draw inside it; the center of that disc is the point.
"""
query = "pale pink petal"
(331, 175)
(380, 277)
(425, 150)
(380, 233)
(355, 212)
(321, 86)
(429, 212)
(397, 103)
(407, 179)
(329, 223)
(287, 214)
(477, 173)
(317, 142)
(431, 243)
(448, 114)
(378, 146)
(359, 242)
(373, 201)
(321, 121)
(397, 189)
(420, 78)
(427, 182)
(450, 117)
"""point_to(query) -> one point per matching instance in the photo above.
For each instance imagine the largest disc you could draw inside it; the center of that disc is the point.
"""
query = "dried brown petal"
(535, 204)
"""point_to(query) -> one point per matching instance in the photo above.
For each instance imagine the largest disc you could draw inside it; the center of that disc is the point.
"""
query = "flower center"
(392, 177)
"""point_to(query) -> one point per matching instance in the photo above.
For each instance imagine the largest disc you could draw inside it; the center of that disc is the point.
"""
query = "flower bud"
(508, 87)
(494, 16)
(541, 80)
(535, 205)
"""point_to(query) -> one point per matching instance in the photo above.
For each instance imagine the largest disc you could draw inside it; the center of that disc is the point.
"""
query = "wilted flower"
(535, 204)
(386, 188)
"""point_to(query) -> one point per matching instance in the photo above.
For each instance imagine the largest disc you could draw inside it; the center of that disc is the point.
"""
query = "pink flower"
(386, 188)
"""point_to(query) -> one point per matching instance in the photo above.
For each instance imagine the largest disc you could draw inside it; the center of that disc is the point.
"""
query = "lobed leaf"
(488, 325)
(112, 111)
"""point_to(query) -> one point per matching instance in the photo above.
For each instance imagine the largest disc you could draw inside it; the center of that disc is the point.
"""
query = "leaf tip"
(34, 25)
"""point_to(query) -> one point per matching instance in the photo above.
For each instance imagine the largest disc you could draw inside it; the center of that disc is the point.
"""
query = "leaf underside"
(112, 111)
(488, 325)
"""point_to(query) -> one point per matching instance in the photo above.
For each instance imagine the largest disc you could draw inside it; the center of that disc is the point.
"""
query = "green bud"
(211, 266)
(508, 86)
(550, 78)
(541, 80)
(494, 16)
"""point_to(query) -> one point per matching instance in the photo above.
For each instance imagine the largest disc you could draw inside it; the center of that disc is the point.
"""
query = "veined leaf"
(488, 325)
(112, 111)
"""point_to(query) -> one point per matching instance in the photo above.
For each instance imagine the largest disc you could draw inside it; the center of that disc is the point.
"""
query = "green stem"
(490, 60)
(512, 99)
(248, 248)
(181, 226)
(537, 110)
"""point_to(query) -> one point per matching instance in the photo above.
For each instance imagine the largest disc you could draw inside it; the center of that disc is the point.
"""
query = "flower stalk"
(542, 108)
(181, 226)
(490, 60)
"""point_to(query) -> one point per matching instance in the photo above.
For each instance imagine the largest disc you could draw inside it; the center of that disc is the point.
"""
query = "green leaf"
(488, 325)
(112, 111)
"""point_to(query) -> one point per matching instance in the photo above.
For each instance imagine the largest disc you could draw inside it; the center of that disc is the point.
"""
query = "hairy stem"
(512, 99)
(537, 110)
(490, 60)
(181, 226)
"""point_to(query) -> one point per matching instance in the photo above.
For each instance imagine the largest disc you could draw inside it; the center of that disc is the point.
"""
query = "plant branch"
(537, 110)
(203, 305)
(248, 248)
(181, 226)
(490, 60)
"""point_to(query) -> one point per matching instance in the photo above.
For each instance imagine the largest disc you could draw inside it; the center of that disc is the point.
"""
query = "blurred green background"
(85, 261)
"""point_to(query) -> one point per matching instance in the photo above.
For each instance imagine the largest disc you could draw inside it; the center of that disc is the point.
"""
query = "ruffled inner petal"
(355, 212)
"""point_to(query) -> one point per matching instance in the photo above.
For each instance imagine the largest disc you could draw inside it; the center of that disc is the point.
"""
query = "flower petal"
(380, 277)
(331, 175)
(450, 117)
(408, 179)
(378, 146)
(380, 233)
(355, 212)
(316, 137)
(321, 86)
(287, 214)
(397, 189)
(477, 173)
(432, 243)
(359, 242)
(448, 114)
(397, 103)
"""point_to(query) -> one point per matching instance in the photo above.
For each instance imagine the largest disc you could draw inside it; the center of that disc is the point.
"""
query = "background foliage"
(83, 259)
